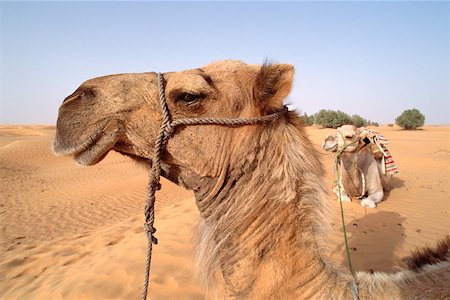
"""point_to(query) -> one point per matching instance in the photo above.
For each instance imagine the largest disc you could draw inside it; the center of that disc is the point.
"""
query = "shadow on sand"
(373, 240)
(394, 183)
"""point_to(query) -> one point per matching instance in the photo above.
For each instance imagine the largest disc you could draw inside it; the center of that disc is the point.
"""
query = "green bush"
(308, 120)
(358, 121)
(410, 119)
(331, 118)
(334, 119)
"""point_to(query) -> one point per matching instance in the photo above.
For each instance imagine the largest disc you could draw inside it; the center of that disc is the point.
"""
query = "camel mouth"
(92, 149)
(351, 148)
(96, 152)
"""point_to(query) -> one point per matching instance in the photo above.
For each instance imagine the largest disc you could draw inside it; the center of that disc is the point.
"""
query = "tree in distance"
(410, 119)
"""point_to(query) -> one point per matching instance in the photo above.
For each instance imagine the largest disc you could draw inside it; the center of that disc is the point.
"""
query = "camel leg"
(344, 196)
(372, 200)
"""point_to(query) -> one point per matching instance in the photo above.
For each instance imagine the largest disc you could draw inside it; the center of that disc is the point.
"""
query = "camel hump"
(428, 256)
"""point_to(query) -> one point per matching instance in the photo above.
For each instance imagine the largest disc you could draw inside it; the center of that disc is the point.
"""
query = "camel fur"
(260, 189)
(360, 173)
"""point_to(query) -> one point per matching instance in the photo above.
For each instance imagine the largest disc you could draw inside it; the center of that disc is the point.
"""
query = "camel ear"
(330, 143)
(273, 84)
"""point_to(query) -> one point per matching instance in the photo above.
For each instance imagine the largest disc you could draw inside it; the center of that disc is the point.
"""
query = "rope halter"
(165, 132)
(338, 160)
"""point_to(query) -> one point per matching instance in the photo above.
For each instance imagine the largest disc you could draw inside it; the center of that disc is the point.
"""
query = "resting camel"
(260, 189)
(360, 173)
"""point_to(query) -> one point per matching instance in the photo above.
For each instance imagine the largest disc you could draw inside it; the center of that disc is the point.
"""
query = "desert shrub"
(390, 125)
(331, 118)
(358, 121)
(308, 120)
(410, 119)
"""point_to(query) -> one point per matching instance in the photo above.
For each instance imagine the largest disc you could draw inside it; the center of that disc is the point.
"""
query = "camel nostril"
(72, 97)
(80, 93)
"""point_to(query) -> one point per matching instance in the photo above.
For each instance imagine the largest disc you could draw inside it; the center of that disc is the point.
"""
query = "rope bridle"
(338, 161)
(165, 132)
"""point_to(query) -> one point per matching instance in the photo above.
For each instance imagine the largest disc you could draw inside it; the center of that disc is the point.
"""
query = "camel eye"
(188, 98)
(349, 137)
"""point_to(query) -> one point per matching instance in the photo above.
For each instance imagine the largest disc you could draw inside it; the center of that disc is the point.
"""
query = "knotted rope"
(165, 132)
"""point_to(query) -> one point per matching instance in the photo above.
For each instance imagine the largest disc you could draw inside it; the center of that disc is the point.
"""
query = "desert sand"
(73, 232)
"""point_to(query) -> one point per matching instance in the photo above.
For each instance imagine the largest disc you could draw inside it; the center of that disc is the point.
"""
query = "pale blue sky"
(375, 59)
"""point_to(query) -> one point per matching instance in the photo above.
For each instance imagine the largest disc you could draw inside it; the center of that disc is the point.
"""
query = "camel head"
(346, 138)
(122, 113)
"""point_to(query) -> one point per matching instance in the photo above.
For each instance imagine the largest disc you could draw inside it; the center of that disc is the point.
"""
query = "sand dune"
(72, 232)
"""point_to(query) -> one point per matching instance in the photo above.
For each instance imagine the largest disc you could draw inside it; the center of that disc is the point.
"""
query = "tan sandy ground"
(72, 232)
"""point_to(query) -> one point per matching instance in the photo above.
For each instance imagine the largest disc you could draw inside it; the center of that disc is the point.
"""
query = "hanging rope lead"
(337, 160)
(154, 183)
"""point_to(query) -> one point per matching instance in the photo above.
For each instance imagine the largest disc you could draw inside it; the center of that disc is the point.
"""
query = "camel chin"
(96, 152)
(87, 153)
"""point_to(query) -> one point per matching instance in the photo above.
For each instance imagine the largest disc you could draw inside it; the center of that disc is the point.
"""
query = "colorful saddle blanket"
(378, 144)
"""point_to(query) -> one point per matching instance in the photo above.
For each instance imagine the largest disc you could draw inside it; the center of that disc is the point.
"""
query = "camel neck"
(350, 174)
(264, 227)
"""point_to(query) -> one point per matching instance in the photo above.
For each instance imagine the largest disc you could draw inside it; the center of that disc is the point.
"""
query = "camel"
(260, 189)
(360, 173)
